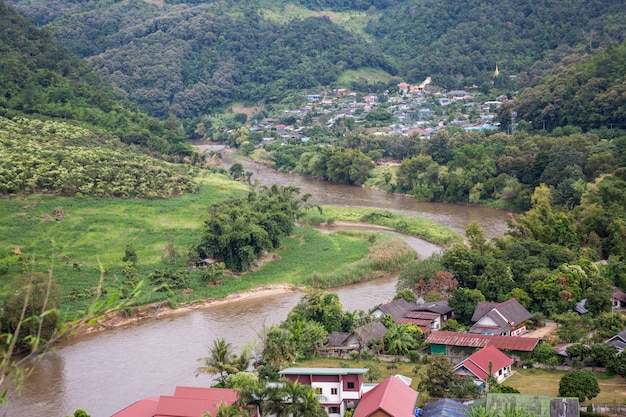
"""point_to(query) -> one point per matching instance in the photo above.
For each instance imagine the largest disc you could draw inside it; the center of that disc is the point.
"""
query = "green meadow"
(414, 226)
(83, 240)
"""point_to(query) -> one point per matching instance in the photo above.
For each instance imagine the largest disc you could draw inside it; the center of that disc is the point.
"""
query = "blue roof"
(445, 408)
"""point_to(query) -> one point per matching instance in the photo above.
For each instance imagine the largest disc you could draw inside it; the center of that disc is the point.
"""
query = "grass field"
(76, 238)
(352, 21)
(414, 226)
(546, 381)
(366, 74)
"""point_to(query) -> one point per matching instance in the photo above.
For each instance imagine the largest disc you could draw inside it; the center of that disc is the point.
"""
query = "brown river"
(104, 372)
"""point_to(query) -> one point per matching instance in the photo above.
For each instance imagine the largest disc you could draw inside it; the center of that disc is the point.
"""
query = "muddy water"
(106, 372)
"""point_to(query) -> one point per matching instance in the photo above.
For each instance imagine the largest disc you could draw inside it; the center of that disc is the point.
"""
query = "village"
(411, 110)
(498, 343)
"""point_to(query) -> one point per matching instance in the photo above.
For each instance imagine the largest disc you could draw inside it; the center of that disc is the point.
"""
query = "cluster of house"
(497, 328)
(411, 107)
(488, 349)
(341, 389)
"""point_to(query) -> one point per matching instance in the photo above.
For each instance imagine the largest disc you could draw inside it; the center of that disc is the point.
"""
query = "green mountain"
(191, 57)
(589, 96)
(64, 130)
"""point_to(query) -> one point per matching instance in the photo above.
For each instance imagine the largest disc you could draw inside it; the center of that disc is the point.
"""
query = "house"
(424, 320)
(445, 408)
(619, 300)
(428, 316)
(539, 405)
(441, 308)
(205, 263)
(338, 339)
(504, 319)
(488, 361)
(186, 402)
(447, 343)
(619, 340)
(363, 336)
(337, 389)
(391, 398)
(396, 309)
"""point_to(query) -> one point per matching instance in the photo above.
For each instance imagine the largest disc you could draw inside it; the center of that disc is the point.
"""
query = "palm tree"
(398, 340)
(219, 362)
(232, 410)
(300, 400)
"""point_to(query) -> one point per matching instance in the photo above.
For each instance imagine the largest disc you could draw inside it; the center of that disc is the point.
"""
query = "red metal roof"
(522, 344)
(421, 315)
(478, 362)
(186, 402)
(392, 397)
(228, 395)
(143, 408)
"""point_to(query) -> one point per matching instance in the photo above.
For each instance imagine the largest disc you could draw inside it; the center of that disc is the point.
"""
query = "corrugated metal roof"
(421, 315)
(479, 362)
(206, 393)
(143, 408)
(523, 344)
(392, 396)
(185, 407)
(324, 371)
(445, 408)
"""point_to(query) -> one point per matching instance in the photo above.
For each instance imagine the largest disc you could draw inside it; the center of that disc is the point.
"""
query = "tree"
(439, 376)
(220, 362)
(30, 311)
(279, 348)
(604, 353)
(618, 365)
(80, 413)
(300, 400)
(322, 307)
(579, 354)
(582, 384)
(233, 410)
(130, 254)
(399, 339)
(407, 294)
(464, 302)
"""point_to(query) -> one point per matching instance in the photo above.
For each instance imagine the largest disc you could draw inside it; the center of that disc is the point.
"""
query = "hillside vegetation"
(43, 79)
(590, 95)
(189, 58)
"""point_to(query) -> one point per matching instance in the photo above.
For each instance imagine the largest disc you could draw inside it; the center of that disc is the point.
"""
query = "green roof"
(324, 371)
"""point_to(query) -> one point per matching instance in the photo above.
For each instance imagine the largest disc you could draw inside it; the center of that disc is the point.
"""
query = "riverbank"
(156, 311)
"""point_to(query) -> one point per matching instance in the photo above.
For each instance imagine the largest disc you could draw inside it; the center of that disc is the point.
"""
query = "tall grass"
(414, 226)
(388, 254)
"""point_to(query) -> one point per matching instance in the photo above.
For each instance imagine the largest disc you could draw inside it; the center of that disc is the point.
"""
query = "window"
(318, 391)
(350, 385)
(333, 410)
(333, 391)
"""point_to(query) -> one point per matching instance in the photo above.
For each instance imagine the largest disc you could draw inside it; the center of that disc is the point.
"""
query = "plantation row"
(27, 167)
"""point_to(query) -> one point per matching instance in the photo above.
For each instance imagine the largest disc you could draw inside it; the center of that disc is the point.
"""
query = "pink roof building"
(487, 361)
(186, 402)
(390, 398)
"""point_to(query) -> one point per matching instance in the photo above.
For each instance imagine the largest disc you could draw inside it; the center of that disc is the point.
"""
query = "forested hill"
(191, 57)
(41, 78)
(458, 43)
(589, 95)
(187, 61)
(62, 129)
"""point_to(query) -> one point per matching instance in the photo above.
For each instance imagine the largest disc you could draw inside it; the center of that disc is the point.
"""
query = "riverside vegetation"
(77, 236)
